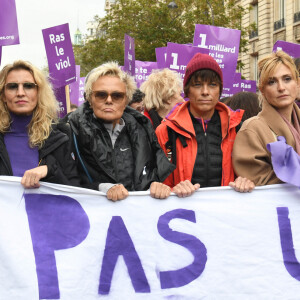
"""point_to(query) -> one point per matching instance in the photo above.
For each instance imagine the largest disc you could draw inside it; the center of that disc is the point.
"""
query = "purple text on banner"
(129, 55)
(161, 55)
(81, 91)
(60, 55)
(142, 70)
(74, 87)
(9, 33)
(290, 48)
(223, 45)
(248, 86)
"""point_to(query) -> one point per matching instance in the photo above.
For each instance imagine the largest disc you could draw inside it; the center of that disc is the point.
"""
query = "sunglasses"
(102, 96)
(14, 86)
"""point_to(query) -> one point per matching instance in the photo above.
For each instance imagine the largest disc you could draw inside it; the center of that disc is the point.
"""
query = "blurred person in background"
(162, 92)
(137, 101)
(247, 101)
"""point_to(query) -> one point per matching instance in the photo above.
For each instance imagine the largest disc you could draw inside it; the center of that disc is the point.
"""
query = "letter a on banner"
(118, 242)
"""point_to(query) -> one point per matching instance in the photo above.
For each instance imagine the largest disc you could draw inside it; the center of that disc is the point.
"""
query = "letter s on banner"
(181, 277)
(56, 222)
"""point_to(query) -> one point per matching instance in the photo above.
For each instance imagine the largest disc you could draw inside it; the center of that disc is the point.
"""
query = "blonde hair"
(268, 65)
(45, 112)
(109, 69)
(160, 86)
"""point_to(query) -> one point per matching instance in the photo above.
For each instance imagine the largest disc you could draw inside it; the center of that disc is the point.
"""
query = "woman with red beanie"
(198, 135)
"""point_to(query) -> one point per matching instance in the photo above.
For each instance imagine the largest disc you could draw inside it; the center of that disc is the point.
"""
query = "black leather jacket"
(136, 160)
(57, 153)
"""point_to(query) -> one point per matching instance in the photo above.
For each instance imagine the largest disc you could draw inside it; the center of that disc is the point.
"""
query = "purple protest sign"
(9, 34)
(178, 56)
(248, 85)
(142, 70)
(0, 54)
(129, 55)
(290, 48)
(60, 55)
(81, 91)
(60, 95)
(74, 87)
(236, 86)
(161, 55)
(223, 45)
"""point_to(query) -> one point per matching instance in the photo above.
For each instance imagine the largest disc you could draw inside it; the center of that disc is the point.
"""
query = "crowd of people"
(123, 139)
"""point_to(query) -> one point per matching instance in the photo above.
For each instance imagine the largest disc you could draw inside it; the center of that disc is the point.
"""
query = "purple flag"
(9, 34)
(285, 161)
(223, 45)
(248, 85)
(290, 48)
(74, 87)
(161, 54)
(81, 91)
(142, 70)
(60, 55)
(129, 55)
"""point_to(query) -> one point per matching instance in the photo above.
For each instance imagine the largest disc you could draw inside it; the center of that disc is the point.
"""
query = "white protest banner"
(59, 242)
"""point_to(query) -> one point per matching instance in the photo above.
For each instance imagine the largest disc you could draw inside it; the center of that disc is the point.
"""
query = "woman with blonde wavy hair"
(265, 144)
(32, 145)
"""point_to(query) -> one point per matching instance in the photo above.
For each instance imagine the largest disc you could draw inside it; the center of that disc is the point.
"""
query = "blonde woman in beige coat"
(280, 116)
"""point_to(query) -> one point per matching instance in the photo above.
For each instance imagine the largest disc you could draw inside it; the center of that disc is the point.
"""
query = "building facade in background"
(275, 20)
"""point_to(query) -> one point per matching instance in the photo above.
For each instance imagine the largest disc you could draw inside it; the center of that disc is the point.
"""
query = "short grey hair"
(109, 69)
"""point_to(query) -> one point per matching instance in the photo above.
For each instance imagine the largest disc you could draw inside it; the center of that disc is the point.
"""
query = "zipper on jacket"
(206, 159)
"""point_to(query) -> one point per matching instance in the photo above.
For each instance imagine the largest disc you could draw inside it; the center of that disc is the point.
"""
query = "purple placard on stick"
(223, 45)
(74, 87)
(129, 55)
(81, 91)
(161, 56)
(60, 94)
(290, 48)
(9, 33)
(248, 86)
(60, 55)
(142, 70)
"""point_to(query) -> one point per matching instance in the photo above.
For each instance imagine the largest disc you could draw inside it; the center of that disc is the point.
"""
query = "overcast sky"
(35, 15)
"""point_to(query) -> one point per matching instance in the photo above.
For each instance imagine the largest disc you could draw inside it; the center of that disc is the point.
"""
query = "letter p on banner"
(56, 222)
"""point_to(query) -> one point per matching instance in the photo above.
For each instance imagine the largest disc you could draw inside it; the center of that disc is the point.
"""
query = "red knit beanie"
(198, 62)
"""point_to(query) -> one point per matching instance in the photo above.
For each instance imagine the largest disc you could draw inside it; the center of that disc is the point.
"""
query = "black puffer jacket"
(57, 153)
(136, 160)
